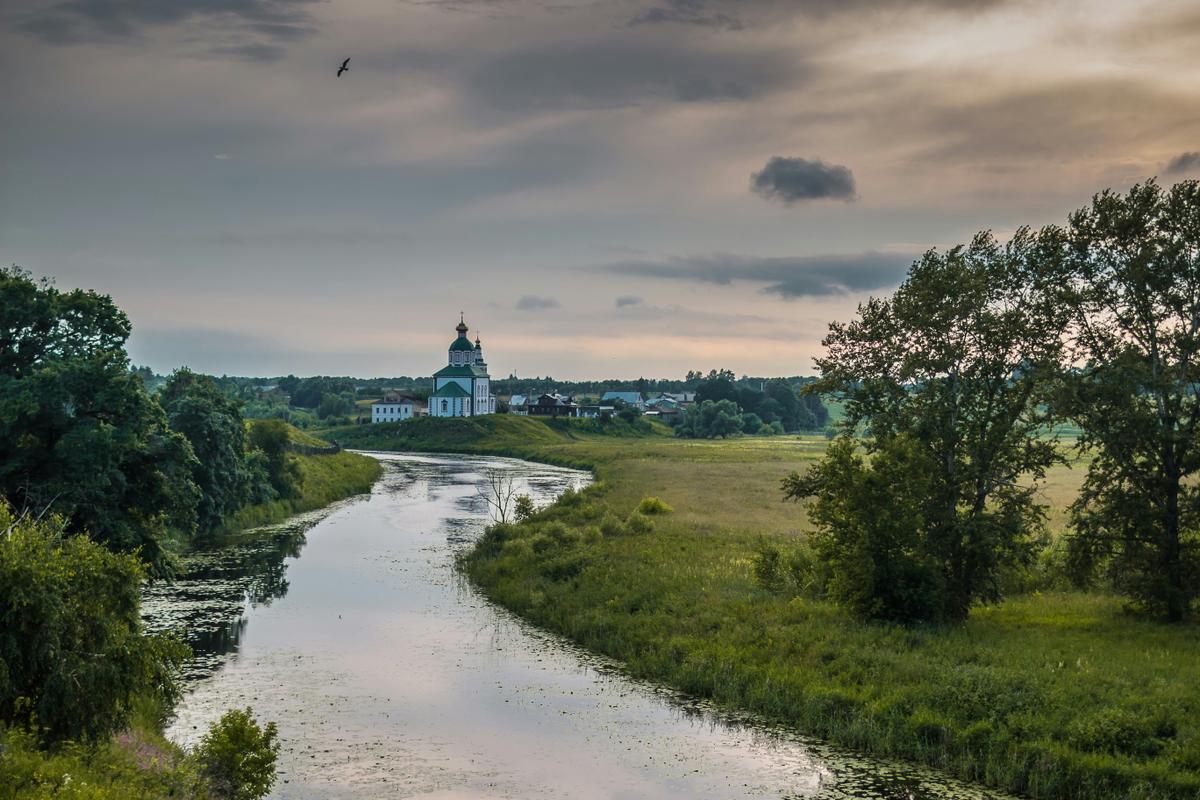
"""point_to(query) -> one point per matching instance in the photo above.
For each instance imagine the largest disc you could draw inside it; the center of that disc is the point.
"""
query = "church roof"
(461, 371)
(451, 390)
(462, 343)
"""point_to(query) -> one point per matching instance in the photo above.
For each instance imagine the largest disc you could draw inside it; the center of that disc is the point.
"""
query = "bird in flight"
(343, 68)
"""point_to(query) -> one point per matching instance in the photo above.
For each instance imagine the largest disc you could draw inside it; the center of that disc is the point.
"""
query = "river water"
(389, 677)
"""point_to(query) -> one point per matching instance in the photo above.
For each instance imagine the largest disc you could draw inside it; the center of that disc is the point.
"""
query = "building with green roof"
(462, 388)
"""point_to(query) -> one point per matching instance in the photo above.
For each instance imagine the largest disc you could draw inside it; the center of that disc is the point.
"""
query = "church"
(462, 388)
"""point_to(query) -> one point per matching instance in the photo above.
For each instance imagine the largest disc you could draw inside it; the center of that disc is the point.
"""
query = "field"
(1051, 694)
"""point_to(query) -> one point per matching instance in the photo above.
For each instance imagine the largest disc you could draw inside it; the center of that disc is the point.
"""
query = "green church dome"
(462, 343)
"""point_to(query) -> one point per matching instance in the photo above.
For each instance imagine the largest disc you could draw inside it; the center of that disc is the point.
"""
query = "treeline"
(99, 482)
(332, 400)
(951, 386)
(82, 438)
(726, 406)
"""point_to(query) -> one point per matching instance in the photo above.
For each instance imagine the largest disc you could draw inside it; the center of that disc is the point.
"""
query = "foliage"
(79, 435)
(523, 508)
(72, 653)
(272, 437)
(710, 420)
(335, 405)
(1132, 279)
(653, 505)
(237, 756)
(957, 363)
(212, 424)
(885, 560)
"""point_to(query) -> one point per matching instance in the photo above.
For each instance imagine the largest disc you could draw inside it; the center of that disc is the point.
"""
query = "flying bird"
(343, 68)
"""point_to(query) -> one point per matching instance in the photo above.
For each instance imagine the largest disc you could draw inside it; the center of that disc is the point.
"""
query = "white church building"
(462, 388)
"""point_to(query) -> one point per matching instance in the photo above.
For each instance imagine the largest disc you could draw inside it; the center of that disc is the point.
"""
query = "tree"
(788, 404)
(213, 425)
(79, 435)
(751, 423)
(499, 492)
(1132, 280)
(334, 405)
(73, 657)
(958, 363)
(718, 386)
(237, 756)
(271, 438)
(871, 529)
(708, 420)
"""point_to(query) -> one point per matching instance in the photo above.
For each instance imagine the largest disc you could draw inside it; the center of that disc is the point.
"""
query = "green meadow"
(1052, 693)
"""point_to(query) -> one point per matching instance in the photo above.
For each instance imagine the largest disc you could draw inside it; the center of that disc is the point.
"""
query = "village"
(462, 388)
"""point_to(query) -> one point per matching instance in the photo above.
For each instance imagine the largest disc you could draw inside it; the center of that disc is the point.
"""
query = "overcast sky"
(606, 188)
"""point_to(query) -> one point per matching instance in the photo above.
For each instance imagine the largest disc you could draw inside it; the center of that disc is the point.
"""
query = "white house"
(392, 410)
(462, 388)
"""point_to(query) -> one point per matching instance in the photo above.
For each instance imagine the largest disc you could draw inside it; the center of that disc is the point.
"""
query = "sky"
(605, 188)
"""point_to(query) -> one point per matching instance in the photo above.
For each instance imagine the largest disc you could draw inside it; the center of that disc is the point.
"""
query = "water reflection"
(206, 604)
(390, 676)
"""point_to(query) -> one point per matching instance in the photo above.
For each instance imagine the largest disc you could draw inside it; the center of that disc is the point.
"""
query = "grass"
(1052, 695)
(325, 479)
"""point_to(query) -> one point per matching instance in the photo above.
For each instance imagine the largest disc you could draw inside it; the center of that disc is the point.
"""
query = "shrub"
(73, 656)
(652, 505)
(237, 757)
(524, 508)
(638, 523)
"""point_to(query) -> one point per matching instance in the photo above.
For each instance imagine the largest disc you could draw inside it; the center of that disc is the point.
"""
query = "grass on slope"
(1056, 695)
(325, 479)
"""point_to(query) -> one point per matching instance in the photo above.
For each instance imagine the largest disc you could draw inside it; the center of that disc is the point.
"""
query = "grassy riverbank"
(325, 479)
(1052, 695)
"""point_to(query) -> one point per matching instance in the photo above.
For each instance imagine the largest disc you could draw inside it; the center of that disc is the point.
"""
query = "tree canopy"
(79, 435)
(1132, 283)
(956, 363)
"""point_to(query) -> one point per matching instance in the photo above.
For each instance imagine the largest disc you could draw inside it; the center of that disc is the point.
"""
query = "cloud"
(625, 301)
(257, 52)
(597, 73)
(800, 276)
(1184, 162)
(534, 303)
(81, 21)
(793, 180)
(687, 12)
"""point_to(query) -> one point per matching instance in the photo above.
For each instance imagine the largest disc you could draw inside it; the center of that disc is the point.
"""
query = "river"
(390, 677)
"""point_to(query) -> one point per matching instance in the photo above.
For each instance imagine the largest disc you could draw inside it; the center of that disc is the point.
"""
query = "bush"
(652, 505)
(73, 657)
(524, 508)
(237, 757)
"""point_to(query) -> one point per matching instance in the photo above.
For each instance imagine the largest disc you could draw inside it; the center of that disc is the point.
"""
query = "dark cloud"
(1184, 162)
(688, 12)
(260, 52)
(793, 180)
(534, 303)
(625, 301)
(800, 276)
(607, 73)
(77, 21)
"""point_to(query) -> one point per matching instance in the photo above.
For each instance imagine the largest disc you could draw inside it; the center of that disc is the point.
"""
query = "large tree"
(955, 364)
(1133, 282)
(79, 435)
(212, 423)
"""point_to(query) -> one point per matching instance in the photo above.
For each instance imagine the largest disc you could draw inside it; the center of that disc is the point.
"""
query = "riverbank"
(141, 762)
(1052, 695)
(325, 478)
